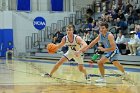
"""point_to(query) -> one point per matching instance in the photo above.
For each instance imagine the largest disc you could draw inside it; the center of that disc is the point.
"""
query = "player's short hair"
(70, 26)
(104, 24)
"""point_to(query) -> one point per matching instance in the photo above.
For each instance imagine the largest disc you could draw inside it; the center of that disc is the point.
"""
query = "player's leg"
(57, 65)
(81, 68)
(101, 69)
(119, 66)
(114, 60)
(101, 65)
(110, 56)
(80, 62)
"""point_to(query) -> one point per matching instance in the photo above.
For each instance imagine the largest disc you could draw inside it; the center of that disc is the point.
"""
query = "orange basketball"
(52, 48)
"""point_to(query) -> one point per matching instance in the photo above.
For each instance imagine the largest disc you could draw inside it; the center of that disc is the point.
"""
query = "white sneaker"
(134, 54)
(46, 75)
(100, 80)
(125, 76)
(130, 54)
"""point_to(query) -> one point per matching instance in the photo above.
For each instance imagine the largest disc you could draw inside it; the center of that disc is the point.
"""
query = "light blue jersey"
(112, 56)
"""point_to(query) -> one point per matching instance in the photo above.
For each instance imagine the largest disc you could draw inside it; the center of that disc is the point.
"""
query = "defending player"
(111, 50)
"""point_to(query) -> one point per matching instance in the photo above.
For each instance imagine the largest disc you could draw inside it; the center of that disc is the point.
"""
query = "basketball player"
(110, 48)
(74, 43)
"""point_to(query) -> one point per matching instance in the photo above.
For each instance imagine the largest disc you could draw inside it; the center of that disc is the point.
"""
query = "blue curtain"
(23, 5)
(6, 41)
(57, 5)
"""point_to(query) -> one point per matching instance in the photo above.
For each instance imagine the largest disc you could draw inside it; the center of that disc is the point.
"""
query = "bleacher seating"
(78, 16)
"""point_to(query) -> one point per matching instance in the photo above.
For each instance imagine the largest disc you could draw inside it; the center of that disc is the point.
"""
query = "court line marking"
(61, 79)
(86, 65)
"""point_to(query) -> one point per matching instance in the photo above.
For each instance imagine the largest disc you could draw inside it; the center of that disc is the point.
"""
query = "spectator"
(121, 42)
(89, 12)
(86, 37)
(87, 27)
(96, 28)
(132, 15)
(92, 37)
(113, 14)
(121, 25)
(57, 37)
(121, 15)
(133, 43)
(127, 7)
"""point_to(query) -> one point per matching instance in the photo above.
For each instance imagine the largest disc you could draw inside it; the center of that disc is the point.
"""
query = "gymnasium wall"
(6, 32)
(22, 24)
(45, 5)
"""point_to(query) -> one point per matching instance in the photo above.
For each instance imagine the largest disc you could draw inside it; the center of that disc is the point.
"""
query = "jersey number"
(73, 48)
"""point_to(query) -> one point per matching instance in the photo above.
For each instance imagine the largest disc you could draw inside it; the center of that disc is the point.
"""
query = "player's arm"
(92, 43)
(81, 42)
(112, 44)
(62, 43)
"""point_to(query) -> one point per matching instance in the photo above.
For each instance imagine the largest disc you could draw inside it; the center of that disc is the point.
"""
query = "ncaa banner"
(39, 23)
(57, 5)
(23, 5)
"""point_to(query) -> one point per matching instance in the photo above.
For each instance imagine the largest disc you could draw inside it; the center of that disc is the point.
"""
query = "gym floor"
(24, 76)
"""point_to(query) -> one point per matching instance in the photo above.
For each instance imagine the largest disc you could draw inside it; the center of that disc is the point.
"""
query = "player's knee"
(116, 63)
(100, 63)
(81, 69)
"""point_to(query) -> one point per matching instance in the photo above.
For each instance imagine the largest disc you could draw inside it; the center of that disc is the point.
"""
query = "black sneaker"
(46, 75)
(88, 78)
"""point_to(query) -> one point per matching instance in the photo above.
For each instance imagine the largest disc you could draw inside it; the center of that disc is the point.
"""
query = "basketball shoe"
(46, 75)
(100, 80)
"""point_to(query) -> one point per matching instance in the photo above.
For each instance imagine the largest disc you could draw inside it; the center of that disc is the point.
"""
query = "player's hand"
(77, 53)
(101, 48)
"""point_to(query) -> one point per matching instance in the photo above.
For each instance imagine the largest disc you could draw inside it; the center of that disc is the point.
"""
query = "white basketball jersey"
(73, 46)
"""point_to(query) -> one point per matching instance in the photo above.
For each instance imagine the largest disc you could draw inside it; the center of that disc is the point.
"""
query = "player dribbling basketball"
(74, 43)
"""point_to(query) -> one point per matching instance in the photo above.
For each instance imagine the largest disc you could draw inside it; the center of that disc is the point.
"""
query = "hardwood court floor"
(23, 76)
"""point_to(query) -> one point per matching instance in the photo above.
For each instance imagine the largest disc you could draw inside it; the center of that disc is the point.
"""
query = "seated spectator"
(57, 37)
(113, 14)
(96, 27)
(89, 12)
(132, 15)
(121, 25)
(86, 37)
(133, 43)
(87, 27)
(92, 37)
(121, 42)
(121, 15)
